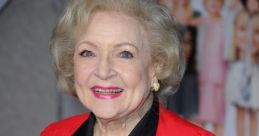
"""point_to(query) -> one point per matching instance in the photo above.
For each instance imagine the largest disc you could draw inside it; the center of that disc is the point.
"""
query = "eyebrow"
(116, 45)
(87, 42)
(126, 43)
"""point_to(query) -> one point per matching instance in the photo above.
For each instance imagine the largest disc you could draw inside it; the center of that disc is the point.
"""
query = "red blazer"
(169, 124)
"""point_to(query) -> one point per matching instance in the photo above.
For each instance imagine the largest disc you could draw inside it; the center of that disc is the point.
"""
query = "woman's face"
(187, 44)
(241, 33)
(253, 5)
(256, 35)
(112, 65)
(213, 6)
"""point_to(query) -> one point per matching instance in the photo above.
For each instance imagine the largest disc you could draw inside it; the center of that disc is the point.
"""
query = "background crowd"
(221, 47)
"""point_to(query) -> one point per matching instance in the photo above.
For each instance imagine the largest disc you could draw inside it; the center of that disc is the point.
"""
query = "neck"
(215, 16)
(125, 125)
(182, 9)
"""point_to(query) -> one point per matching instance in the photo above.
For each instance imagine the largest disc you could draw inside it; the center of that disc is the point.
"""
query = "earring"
(155, 85)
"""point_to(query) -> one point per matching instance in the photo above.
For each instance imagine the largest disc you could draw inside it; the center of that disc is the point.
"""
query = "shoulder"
(171, 124)
(65, 127)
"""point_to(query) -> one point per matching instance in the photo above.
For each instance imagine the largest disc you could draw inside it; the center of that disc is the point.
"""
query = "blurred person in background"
(255, 50)
(211, 65)
(185, 101)
(111, 55)
(251, 71)
(243, 76)
(232, 7)
(252, 6)
(183, 12)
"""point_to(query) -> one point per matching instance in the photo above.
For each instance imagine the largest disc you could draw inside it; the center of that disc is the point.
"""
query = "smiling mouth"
(106, 92)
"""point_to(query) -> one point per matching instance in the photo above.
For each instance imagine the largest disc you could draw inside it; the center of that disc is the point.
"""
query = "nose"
(104, 69)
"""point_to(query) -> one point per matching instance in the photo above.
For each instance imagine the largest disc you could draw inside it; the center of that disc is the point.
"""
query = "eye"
(87, 53)
(126, 55)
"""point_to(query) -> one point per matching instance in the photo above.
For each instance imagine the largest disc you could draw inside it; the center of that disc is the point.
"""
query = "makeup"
(107, 92)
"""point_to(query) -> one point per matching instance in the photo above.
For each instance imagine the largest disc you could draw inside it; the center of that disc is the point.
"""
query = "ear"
(156, 69)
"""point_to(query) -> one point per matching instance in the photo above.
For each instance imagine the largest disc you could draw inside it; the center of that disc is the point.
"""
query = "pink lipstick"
(108, 93)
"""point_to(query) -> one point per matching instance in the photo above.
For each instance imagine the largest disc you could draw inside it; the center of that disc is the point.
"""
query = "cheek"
(81, 73)
(188, 52)
(77, 73)
(135, 76)
(132, 74)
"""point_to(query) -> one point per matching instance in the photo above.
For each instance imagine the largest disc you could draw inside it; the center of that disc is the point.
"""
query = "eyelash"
(87, 53)
(123, 54)
(126, 55)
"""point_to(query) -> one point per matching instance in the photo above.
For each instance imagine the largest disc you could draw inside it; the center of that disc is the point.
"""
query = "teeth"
(106, 91)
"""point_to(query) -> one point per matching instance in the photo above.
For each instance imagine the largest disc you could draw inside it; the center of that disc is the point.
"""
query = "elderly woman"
(111, 55)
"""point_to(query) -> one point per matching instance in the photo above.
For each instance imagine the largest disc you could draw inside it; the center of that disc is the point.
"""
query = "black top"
(146, 126)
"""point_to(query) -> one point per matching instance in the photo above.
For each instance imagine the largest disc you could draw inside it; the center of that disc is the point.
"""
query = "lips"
(110, 92)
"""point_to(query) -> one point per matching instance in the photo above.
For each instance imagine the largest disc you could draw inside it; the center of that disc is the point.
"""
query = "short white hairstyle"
(165, 46)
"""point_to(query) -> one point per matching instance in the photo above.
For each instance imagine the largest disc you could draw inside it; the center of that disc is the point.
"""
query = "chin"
(106, 113)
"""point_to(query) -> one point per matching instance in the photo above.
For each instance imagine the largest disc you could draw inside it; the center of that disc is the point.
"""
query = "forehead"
(111, 26)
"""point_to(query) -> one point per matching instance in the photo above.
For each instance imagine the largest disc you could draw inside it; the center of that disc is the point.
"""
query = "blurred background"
(29, 98)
